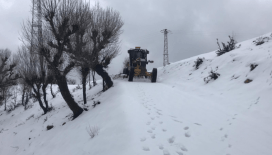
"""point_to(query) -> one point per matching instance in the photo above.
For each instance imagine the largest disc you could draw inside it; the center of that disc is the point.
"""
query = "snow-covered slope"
(178, 115)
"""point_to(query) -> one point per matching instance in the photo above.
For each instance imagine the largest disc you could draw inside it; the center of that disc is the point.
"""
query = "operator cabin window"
(139, 55)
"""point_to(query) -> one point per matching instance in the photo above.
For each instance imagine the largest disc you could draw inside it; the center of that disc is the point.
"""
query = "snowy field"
(179, 115)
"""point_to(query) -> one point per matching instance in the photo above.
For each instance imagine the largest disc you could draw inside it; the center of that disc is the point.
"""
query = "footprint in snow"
(161, 147)
(153, 128)
(146, 148)
(229, 146)
(153, 136)
(148, 123)
(161, 122)
(143, 139)
(186, 128)
(171, 140)
(179, 153)
(183, 148)
(187, 134)
(165, 152)
(149, 131)
(164, 130)
(226, 136)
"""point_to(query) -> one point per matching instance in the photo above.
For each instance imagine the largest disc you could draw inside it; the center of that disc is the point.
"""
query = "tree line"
(74, 35)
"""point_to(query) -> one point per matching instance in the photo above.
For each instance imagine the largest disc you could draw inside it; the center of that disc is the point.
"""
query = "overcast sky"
(195, 25)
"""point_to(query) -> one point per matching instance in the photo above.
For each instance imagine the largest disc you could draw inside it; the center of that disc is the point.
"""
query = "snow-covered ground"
(178, 115)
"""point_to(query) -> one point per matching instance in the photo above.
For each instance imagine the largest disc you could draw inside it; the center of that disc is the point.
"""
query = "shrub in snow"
(248, 81)
(29, 106)
(12, 107)
(198, 62)
(95, 103)
(253, 66)
(213, 76)
(226, 47)
(71, 81)
(13, 104)
(76, 88)
(92, 131)
(49, 127)
(261, 40)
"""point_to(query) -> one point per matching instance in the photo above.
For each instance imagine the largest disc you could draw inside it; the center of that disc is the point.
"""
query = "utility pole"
(165, 51)
(32, 26)
(37, 23)
(40, 40)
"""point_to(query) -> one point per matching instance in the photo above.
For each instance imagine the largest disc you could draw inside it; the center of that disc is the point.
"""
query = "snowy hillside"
(179, 115)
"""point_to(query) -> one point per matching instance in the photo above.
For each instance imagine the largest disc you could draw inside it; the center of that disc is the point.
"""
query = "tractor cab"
(138, 55)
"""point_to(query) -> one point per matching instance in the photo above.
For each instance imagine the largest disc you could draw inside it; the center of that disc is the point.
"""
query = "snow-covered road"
(166, 120)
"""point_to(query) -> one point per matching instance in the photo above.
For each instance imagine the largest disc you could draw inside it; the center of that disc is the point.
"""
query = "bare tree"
(61, 24)
(85, 51)
(25, 92)
(32, 75)
(34, 71)
(80, 45)
(8, 77)
(104, 34)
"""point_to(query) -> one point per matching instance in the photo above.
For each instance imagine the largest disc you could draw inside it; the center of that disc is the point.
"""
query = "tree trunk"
(23, 95)
(93, 74)
(38, 97)
(41, 103)
(5, 99)
(44, 95)
(105, 76)
(62, 83)
(90, 80)
(103, 82)
(84, 79)
(84, 74)
(52, 93)
(26, 99)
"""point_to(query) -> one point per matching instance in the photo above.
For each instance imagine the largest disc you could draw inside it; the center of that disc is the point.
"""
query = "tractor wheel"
(154, 75)
(131, 74)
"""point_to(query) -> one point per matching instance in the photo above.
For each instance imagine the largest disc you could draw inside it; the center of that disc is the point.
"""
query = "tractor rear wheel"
(131, 74)
(154, 75)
